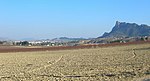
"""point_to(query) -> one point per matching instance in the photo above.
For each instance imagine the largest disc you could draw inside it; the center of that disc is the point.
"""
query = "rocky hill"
(123, 29)
(66, 39)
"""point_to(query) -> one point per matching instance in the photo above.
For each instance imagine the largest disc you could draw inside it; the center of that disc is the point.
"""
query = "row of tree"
(22, 43)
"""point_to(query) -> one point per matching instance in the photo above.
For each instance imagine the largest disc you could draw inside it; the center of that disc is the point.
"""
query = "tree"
(25, 43)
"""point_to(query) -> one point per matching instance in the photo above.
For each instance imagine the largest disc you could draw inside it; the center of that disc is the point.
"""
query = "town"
(62, 42)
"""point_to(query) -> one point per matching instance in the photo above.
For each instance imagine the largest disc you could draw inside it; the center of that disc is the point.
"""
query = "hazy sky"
(70, 18)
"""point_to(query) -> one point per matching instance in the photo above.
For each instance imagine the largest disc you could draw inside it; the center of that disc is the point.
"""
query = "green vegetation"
(22, 43)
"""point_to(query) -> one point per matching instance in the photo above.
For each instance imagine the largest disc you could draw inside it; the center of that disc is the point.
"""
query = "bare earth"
(113, 63)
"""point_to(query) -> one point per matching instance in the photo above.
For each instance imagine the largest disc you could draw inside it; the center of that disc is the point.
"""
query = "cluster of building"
(75, 42)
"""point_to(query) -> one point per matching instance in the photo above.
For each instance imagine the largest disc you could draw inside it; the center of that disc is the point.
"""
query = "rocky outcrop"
(123, 29)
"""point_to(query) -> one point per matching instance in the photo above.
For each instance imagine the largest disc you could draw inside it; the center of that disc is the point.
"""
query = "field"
(108, 63)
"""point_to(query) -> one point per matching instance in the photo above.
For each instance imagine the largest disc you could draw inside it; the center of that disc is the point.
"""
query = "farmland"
(108, 63)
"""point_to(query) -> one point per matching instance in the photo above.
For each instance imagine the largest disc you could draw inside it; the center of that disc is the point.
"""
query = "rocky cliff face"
(123, 29)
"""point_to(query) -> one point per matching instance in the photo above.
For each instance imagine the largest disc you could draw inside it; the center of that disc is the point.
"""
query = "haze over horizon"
(42, 19)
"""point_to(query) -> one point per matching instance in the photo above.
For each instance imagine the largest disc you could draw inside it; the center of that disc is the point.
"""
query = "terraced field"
(113, 63)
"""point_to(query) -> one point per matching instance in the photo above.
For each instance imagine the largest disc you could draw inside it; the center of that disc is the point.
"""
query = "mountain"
(28, 39)
(4, 39)
(66, 39)
(123, 29)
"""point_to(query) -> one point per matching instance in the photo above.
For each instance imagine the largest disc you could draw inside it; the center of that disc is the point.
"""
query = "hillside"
(123, 29)
(66, 39)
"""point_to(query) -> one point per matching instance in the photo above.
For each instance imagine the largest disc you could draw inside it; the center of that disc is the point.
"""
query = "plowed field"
(115, 62)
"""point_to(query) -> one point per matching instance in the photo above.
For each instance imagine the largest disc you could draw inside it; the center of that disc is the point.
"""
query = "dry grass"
(119, 63)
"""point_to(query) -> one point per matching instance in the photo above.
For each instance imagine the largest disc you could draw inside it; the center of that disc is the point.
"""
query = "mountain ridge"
(123, 29)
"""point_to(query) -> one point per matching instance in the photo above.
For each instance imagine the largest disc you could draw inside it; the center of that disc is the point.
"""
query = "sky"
(47, 19)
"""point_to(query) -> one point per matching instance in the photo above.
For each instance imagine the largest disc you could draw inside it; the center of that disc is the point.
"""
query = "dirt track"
(6, 49)
(110, 62)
